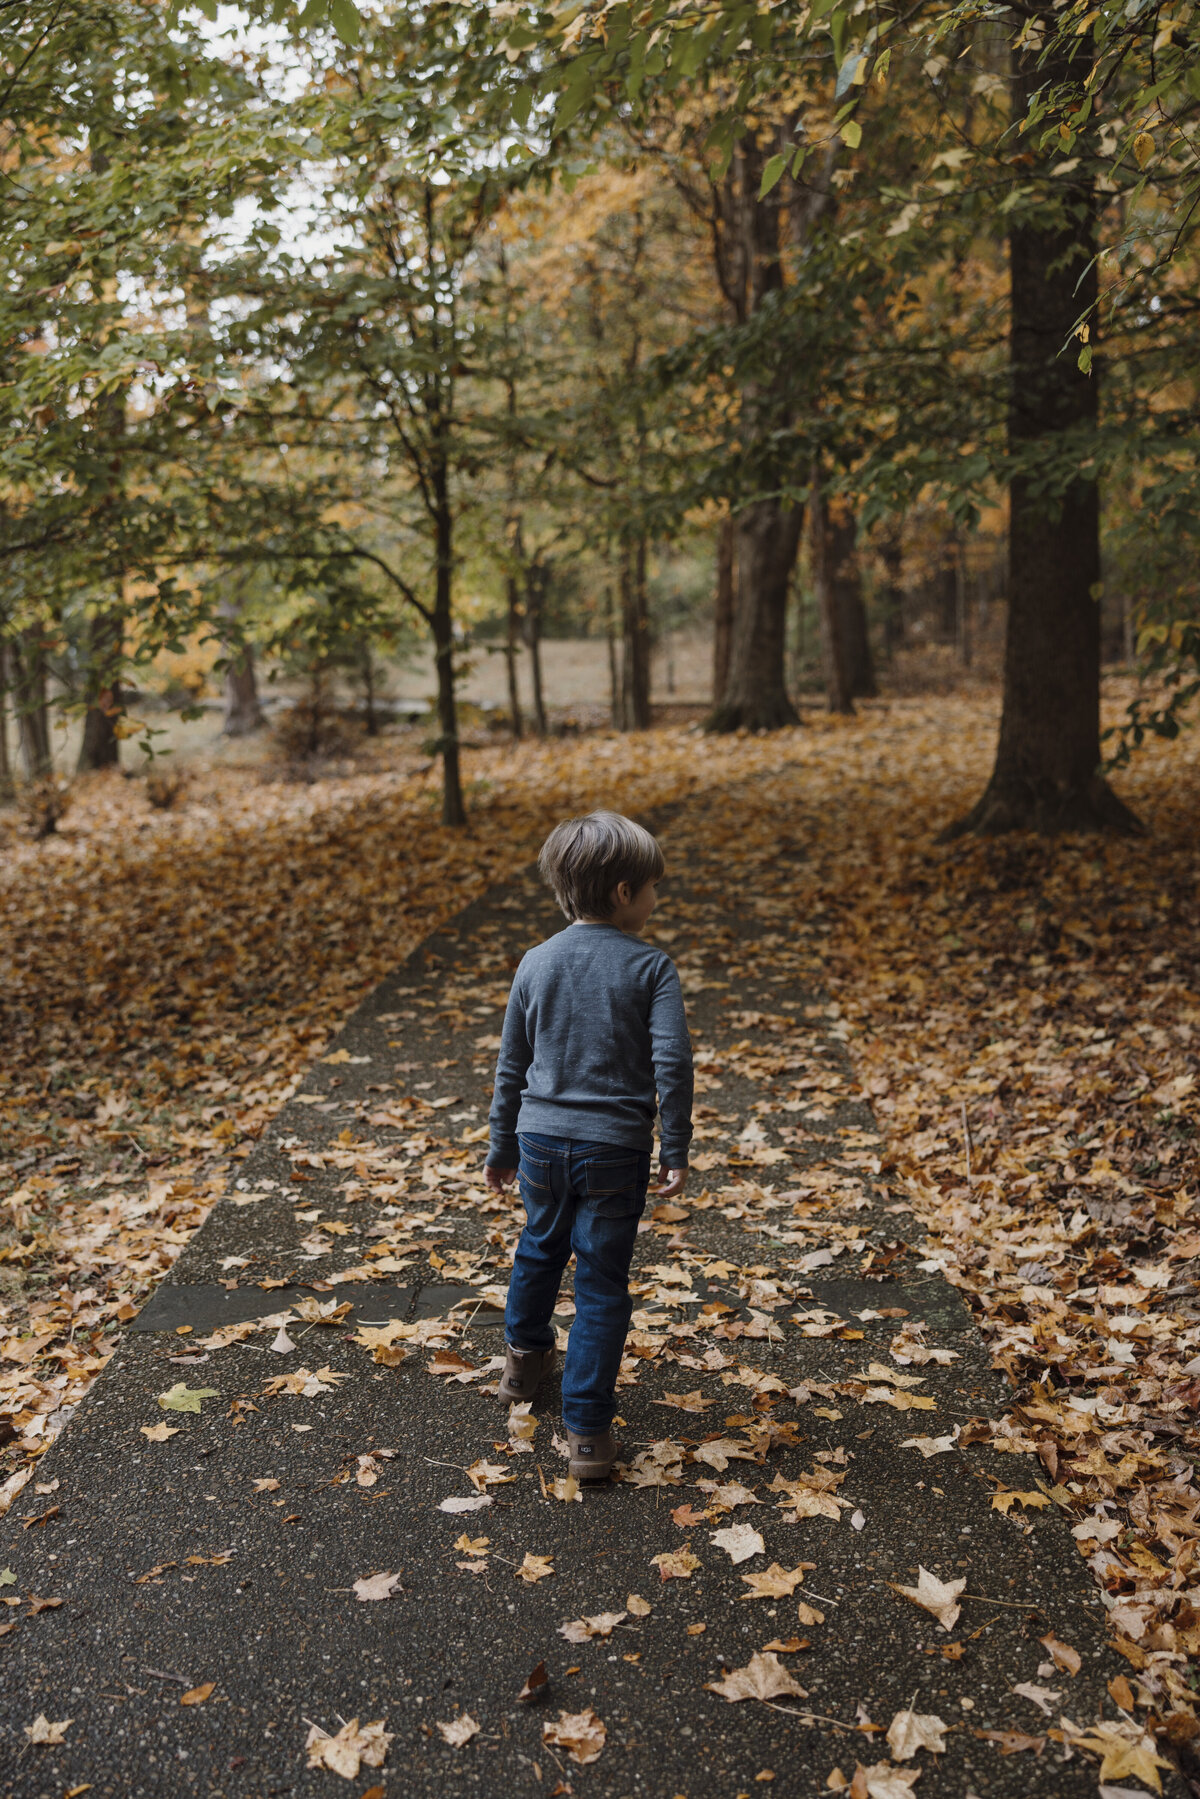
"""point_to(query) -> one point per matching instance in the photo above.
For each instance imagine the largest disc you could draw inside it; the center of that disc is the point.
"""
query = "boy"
(595, 1026)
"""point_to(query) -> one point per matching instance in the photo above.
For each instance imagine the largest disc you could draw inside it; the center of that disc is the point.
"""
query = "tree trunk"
(723, 613)
(512, 638)
(1046, 776)
(535, 587)
(845, 575)
(756, 697)
(891, 551)
(635, 622)
(616, 678)
(101, 747)
(367, 670)
(453, 810)
(6, 773)
(835, 649)
(29, 704)
(243, 713)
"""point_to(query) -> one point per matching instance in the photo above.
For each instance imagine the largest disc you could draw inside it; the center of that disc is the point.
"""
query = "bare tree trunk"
(512, 638)
(616, 675)
(756, 696)
(535, 586)
(834, 647)
(845, 573)
(636, 635)
(6, 772)
(101, 747)
(1047, 772)
(723, 613)
(243, 712)
(453, 810)
(367, 671)
(891, 551)
(29, 703)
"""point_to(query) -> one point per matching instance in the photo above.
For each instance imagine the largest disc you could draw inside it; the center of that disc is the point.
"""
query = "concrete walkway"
(789, 1346)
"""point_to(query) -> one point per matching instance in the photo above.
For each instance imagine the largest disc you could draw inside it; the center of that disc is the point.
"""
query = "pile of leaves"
(1021, 1014)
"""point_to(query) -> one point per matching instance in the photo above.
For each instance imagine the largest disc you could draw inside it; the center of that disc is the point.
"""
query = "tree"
(1047, 770)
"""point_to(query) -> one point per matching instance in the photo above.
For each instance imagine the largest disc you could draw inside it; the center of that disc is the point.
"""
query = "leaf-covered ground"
(168, 976)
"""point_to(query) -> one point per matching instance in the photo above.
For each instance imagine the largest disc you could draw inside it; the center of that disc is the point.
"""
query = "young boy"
(595, 1028)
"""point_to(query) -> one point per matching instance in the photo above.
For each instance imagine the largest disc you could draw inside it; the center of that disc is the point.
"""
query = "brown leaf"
(537, 1685)
(933, 1595)
(581, 1734)
(1061, 1654)
(763, 1677)
(197, 1695)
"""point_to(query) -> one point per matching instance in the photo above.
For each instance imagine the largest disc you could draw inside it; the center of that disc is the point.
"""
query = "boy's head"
(584, 861)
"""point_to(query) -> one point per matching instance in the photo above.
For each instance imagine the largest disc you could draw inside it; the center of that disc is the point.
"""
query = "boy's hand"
(671, 1182)
(499, 1178)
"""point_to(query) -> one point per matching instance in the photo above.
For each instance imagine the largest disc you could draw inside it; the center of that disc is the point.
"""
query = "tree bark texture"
(635, 630)
(101, 747)
(723, 611)
(756, 697)
(835, 650)
(511, 641)
(1046, 776)
(454, 812)
(243, 713)
(845, 576)
(537, 578)
(29, 703)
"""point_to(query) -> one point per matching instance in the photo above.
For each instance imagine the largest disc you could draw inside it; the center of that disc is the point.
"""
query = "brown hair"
(584, 859)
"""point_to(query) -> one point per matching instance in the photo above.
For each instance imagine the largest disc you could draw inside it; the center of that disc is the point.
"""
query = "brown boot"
(592, 1457)
(524, 1372)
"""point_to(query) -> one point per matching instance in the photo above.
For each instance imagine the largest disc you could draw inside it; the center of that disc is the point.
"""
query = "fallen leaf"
(910, 1731)
(637, 1607)
(376, 1586)
(535, 1568)
(459, 1731)
(679, 1564)
(1125, 1749)
(776, 1583)
(686, 1402)
(1012, 1742)
(882, 1781)
(158, 1433)
(739, 1541)
(482, 1474)
(935, 1596)
(931, 1445)
(763, 1677)
(197, 1695)
(472, 1545)
(457, 1504)
(580, 1630)
(536, 1686)
(43, 1731)
(268, 1485)
(581, 1734)
(182, 1398)
(1004, 1502)
(807, 1614)
(1061, 1654)
(37, 1605)
(344, 1753)
(12, 1486)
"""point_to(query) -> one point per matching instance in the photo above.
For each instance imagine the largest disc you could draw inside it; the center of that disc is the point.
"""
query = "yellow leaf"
(1143, 148)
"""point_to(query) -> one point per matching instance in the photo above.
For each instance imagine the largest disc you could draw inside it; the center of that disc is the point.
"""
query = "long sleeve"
(671, 1049)
(512, 1065)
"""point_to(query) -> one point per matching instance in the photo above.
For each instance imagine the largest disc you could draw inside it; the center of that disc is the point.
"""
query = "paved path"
(228, 1552)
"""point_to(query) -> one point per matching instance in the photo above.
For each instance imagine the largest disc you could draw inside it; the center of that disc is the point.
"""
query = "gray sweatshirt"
(595, 1027)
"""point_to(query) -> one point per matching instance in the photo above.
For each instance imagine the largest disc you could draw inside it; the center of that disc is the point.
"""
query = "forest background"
(810, 333)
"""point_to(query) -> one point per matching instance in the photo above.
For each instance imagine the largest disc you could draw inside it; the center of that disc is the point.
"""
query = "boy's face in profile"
(633, 909)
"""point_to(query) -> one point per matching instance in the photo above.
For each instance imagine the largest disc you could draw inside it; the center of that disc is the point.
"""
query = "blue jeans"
(586, 1197)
